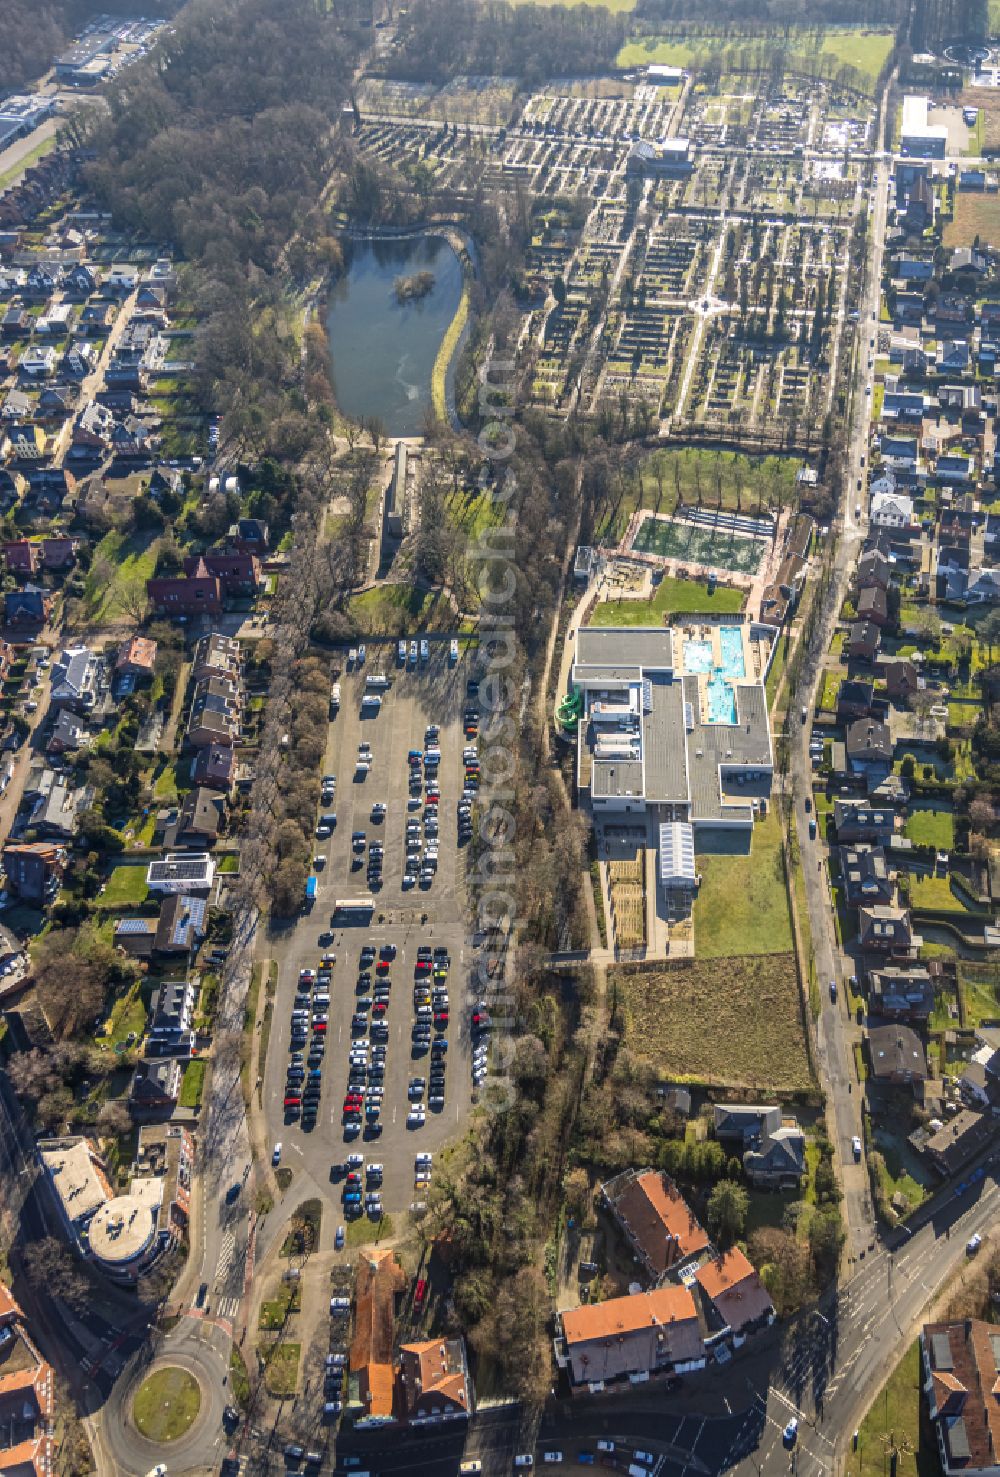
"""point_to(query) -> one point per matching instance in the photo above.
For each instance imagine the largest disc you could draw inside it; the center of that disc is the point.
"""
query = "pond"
(382, 350)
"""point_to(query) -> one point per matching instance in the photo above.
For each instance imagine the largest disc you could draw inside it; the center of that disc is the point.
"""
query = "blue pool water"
(721, 701)
(698, 656)
(731, 645)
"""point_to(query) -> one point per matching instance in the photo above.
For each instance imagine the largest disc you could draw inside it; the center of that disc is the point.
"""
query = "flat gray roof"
(593, 673)
(663, 736)
(606, 646)
(619, 777)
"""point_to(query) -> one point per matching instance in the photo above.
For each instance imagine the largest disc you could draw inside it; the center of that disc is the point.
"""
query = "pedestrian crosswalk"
(227, 1252)
(228, 1307)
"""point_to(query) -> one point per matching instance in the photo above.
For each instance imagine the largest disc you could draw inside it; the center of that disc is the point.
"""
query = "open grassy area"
(446, 351)
(929, 827)
(895, 1413)
(281, 1376)
(126, 887)
(975, 215)
(127, 1018)
(27, 160)
(863, 50)
(166, 1404)
(937, 894)
(193, 1085)
(742, 905)
(734, 1021)
(671, 475)
(673, 597)
(274, 1311)
(116, 580)
(391, 609)
(980, 987)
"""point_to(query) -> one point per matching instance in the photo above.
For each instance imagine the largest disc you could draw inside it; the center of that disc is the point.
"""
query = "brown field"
(975, 215)
(727, 1022)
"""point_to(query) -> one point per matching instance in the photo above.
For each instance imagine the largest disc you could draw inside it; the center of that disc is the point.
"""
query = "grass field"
(166, 1404)
(446, 352)
(980, 986)
(742, 905)
(281, 1375)
(936, 894)
(126, 887)
(865, 51)
(929, 827)
(895, 1412)
(734, 1021)
(193, 1085)
(975, 215)
(674, 597)
(680, 474)
(390, 608)
(116, 580)
(27, 160)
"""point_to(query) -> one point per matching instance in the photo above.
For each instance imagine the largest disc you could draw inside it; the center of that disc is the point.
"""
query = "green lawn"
(281, 1375)
(742, 905)
(193, 1084)
(126, 887)
(980, 986)
(116, 580)
(929, 827)
(674, 597)
(896, 1414)
(392, 609)
(128, 1018)
(166, 1404)
(26, 161)
(937, 894)
(865, 51)
(778, 662)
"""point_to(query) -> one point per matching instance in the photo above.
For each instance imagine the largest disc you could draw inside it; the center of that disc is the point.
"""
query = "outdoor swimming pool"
(721, 701)
(698, 656)
(731, 646)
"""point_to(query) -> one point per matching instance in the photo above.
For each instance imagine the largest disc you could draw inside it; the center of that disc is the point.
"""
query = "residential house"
(215, 713)
(657, 1222)
(165, 481)
(885, 930)
(863, 641)
(213, 767)
(135, 659)
(56, 402)
(968, 259)
(434, 1382)
(983, 587)
(37, 362)
(23, 556)
(79, 680)
(249, 536)
(135, 936)
(856, 820)
(58, 552)
(26, 608)
(979, 1084)
(98, 318)
(56, 810)
(156, 1086)
(900, 992)
(195, 594)
(954, 468)
(874, 570)
(865, 876)
(171, 1019)
(18, 405)
(627, 1338)
(92, 430)
(953, 356)
(200, 818)
(896, 1054)
(80, 281)
(68, 733)
(772, 1148)
(960, 1366)
(28, 1425)
(378, 1280)
(181, 924)
(891, 510)
(48, 488)
(901, 680)
(913, 268)
(960, 1139)
(33, 870)
(908, 307)
(216, 656)
(869, 747)
(181, 872)
(735, 1296)
(238, 572)
(854, 699)
(873, 606)
(27, 441)
(13, 485)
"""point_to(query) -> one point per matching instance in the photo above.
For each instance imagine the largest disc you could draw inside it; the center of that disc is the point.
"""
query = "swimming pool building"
(674, 722)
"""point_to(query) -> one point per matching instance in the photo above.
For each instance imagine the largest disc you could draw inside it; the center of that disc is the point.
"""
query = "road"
(834, 1044)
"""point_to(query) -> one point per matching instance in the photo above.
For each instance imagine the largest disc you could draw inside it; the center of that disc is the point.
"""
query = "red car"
(353, 1179)
(479, 1018)
(441, 1019)
(319, 1026)
(293, 1102)
(353, 1100)
(420, 1293)
(382, 967)
(379, 1008)
(423, 966)
(432, 799)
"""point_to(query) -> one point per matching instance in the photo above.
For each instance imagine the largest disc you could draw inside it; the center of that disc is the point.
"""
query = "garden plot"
(395, 99)
(687, 542)
(477, 100)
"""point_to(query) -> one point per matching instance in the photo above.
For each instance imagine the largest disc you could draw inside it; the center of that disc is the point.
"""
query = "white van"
(371, 702)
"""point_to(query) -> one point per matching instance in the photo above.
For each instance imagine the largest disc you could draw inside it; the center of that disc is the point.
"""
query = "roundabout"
(166, 1404)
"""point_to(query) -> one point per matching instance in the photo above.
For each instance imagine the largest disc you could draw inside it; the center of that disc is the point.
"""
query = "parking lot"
(366, 961)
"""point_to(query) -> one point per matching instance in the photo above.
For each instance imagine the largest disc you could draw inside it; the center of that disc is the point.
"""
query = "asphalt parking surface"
(405, 917)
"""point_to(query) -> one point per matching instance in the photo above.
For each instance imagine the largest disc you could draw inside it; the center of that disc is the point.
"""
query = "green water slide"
(569, 710)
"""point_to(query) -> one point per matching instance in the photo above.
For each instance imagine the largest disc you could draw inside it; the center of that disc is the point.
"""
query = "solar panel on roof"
(133, 925)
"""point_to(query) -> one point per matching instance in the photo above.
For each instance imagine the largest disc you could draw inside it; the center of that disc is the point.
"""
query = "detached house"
(960, 1365)
(885, 930)
(773, 1148)
(897, 1055)
(865, 876)
(869, 747)
(434, 1382)
(657, 1222)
